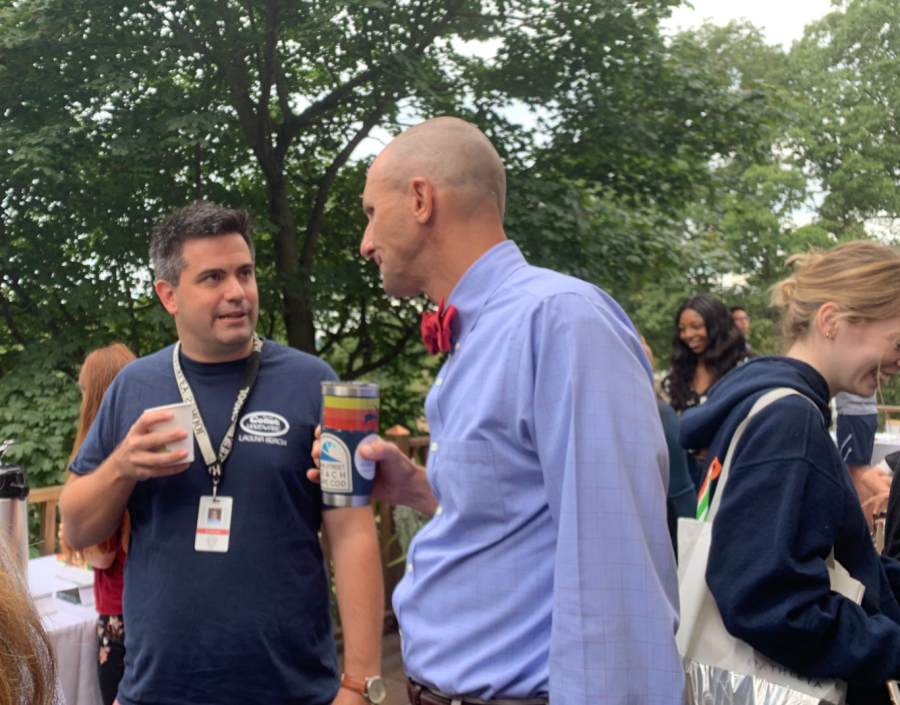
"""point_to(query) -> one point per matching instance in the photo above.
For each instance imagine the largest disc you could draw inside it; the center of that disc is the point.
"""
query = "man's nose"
(366, 248)
(235, 290)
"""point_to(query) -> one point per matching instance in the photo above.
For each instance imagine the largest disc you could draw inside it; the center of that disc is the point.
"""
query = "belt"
(421, 695)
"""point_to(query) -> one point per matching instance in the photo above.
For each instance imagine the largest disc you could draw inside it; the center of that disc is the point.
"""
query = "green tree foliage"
(115, 113)
(846, 70)
(833, 98)
(734, 244)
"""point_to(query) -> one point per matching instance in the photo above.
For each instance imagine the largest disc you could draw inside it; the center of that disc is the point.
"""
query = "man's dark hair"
(198, 220)
(737, 308)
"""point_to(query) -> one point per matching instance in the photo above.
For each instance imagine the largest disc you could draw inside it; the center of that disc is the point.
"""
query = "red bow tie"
(436, 328)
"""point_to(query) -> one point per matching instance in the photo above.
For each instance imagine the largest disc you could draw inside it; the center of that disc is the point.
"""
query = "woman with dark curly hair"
(706, 347)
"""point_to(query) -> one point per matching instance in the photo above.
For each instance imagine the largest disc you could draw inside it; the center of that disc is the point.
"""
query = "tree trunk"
(298, 313)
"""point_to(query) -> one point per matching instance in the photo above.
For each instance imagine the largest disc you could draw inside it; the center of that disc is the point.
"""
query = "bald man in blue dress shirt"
(546, 571)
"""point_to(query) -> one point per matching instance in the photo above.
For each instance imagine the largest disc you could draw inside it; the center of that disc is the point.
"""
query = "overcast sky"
(782, 20)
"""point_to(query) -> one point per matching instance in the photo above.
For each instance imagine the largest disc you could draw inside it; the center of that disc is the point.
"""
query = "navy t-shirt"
(252, 625)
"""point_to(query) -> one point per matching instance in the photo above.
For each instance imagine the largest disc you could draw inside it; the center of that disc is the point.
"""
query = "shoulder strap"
(761, 403)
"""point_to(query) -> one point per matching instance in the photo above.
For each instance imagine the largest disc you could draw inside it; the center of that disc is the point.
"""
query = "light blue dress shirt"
(547, 568)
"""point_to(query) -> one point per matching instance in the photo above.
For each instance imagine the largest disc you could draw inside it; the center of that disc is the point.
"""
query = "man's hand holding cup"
(398, 480)
(156, 445)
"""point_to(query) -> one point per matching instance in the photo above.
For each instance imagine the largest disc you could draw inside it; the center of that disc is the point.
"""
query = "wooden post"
(47, 498)
(48, 528)
(399, 436)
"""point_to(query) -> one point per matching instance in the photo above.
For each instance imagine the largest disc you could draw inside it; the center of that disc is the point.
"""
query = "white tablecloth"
(884, 444)
(73, 631)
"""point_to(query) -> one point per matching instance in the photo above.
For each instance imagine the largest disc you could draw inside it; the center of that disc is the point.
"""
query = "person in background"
(706, 347)
(789, 503)
(857, 421)
(27, 666)
(888, 468)
(107, 558)
(742, 321)
(681, 498)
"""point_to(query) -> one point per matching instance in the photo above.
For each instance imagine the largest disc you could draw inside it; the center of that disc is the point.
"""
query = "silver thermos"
(14, 510)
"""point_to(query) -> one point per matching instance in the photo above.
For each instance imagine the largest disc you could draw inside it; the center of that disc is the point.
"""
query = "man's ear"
(423, 199)
(166, 293)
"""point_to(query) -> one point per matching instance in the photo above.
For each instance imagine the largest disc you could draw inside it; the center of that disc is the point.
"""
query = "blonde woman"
(789, 501)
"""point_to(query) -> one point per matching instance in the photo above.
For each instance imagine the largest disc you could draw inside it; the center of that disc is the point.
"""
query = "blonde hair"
(27, 663)
(862, 277)
(97, 373)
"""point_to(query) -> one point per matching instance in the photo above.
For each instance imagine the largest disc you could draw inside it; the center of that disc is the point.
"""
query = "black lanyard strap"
(215, 464)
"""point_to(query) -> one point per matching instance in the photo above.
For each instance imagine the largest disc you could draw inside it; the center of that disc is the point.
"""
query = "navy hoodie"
(789, 501)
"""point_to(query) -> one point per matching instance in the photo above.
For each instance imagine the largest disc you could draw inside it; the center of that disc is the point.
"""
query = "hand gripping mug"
(349, 420)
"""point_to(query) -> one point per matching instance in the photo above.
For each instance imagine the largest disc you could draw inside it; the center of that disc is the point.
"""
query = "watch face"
(376, 690)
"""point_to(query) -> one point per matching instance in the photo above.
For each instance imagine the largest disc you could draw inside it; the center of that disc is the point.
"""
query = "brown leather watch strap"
(357, 685)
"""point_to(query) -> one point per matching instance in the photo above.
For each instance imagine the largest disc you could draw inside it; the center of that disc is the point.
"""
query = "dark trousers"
(111, 662)
(111, 672)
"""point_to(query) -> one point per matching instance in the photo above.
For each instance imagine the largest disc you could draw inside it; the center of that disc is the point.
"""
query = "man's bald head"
(450, 153)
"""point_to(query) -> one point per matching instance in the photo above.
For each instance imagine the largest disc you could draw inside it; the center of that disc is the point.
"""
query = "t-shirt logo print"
(264, 427)
(265, 423)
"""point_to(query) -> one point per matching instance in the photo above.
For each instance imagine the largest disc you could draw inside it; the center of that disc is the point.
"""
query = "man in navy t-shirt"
(251, 623)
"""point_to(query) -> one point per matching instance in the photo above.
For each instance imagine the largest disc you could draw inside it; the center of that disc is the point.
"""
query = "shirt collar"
(479, 282)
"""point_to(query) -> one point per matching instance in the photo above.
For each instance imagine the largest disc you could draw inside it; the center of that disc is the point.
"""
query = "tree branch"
(388, 357)
(252, 16)
(361, 331)
(293, 124)
(66, 314)
(451, 14)
(11, 323)
(284, 101)
(233, 71)
(269, 63)
(335, 337)
(327, 181)
(16, 287)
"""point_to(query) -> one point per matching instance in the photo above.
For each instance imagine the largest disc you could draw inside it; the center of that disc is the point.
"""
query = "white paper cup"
(183, 420)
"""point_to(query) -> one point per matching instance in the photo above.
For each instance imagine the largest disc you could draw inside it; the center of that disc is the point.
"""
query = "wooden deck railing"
(46, 500)
(887, 411)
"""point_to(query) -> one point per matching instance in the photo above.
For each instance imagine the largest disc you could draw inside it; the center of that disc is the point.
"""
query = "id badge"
(213, 524)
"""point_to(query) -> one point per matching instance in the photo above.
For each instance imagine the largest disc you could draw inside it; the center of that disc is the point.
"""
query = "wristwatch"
(372, 688)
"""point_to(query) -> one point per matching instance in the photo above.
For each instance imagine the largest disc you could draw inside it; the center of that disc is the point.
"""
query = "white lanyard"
(215, 463)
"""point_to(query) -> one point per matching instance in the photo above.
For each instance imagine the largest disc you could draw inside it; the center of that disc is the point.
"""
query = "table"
(884, 444)
(73, 631)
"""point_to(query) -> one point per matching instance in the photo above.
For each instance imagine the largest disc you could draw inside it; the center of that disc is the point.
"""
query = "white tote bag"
(723, 670)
